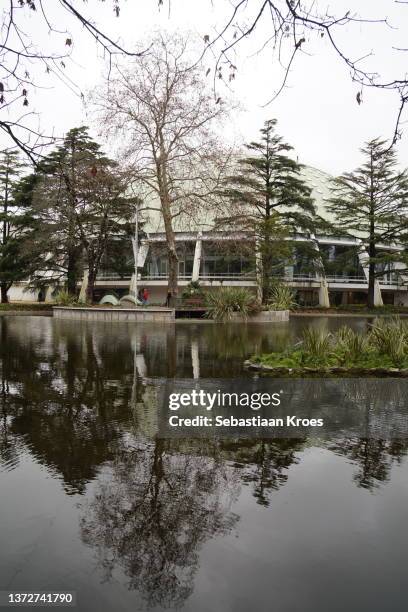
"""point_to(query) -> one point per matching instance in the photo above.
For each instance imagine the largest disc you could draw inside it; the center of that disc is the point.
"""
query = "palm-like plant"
(351, 343)
(390, 337)
(222, 304)
(282, 298)
(316, 343)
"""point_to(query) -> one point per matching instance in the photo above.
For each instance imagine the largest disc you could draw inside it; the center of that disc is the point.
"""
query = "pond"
(93, 501)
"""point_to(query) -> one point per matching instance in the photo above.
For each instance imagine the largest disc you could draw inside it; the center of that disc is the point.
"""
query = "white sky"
(317, 112)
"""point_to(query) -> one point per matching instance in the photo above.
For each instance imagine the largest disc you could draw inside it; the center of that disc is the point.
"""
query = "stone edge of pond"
(26, 313)
(265, 316)
(382, 372)
(139, 315)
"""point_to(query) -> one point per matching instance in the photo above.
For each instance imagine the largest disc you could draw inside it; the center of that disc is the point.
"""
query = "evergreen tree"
(370, 204)
(78, 200)
(268, 196)
(14, 221)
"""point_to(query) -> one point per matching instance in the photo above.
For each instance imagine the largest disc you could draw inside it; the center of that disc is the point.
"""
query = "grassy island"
(383, 346)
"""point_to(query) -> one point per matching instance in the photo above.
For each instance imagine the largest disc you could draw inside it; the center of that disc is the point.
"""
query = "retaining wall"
(265, 316)
(139, 315)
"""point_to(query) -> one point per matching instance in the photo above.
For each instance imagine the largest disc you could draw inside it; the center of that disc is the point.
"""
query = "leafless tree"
(288, 27)
(166, 117)
(24, 55)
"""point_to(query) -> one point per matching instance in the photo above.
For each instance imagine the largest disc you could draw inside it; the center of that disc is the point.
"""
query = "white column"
(324, 300)
(48, 294)
(258, 272)
(84, 287)
(197, 258)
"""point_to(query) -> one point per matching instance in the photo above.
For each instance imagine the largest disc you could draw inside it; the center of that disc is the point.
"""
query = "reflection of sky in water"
(91, 501)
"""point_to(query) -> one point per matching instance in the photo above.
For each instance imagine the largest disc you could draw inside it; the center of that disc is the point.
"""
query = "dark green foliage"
(270, 199)
(15, 221)
(193, 290)
(370, 204)
(78, 200)
(269, 181)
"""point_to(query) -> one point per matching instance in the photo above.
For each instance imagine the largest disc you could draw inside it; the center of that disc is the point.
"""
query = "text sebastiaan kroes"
(220, 400)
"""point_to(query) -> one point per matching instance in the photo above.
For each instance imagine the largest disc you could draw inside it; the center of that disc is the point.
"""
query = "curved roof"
(320, 183)
(203, 219)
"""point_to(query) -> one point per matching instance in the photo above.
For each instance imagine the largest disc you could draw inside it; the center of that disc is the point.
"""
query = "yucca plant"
(390, 338)
(282, 298)
(65, 299)
(221, 304)
(316, 344)
(351, 343)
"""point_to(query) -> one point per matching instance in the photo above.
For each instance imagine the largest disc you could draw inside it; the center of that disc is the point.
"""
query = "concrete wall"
(139, 315)
(17, 293)
(266, 316)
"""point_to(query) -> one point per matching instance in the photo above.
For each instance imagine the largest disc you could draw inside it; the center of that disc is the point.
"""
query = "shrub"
(316, 343)
(193, 289)
(390, 337)
(350, 343)
(221, 304)
(384, 346)
(282, 298)
(65, 299)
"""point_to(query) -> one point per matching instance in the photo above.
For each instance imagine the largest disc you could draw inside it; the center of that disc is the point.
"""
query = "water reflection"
(71, 395)
(152, 511)
(263, 464)
(77, 399)
(373, 459)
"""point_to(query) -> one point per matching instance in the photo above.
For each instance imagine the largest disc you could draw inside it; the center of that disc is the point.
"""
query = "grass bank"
(384, 346)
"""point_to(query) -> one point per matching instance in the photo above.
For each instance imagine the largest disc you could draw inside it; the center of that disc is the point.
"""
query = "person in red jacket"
(145, 295)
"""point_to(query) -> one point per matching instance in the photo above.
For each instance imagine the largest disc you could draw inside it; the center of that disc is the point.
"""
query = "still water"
(92, 501)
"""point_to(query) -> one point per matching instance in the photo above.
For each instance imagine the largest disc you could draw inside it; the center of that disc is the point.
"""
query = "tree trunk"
(91, 285)
(4, 290)
(371, 245)
(165, 201)
(371, 283)
(172, 285)
(72, 271)
(172, 258)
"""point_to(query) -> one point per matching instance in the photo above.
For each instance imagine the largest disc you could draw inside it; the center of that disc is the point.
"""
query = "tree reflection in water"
(151, 513)
(373, 458)
(74, 397)
(264, 463)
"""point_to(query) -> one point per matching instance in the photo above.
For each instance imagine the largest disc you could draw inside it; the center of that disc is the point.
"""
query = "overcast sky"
(317, 112)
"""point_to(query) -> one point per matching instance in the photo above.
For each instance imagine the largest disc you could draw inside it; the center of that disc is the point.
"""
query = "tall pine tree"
(268, 197)
(370, 204)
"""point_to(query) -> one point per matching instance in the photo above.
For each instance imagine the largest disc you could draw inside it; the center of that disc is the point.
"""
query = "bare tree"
(26, 53)
(166, 117)
(288, 27)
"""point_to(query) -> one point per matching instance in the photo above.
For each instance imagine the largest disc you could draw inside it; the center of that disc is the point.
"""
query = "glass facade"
(226, 260)
(216, 261)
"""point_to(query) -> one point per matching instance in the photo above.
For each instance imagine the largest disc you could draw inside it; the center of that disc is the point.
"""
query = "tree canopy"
(370, 204)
